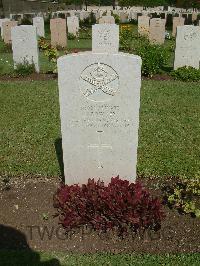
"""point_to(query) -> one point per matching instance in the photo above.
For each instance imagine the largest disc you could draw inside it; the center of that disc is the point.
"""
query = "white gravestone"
(105, 38)
(187, 52)
(99, 106)
(73, 25)
(143, 25)
(157, 31)
(1, 25)
(24, 45)
(38, 22)
(84, 15)
(107, 20)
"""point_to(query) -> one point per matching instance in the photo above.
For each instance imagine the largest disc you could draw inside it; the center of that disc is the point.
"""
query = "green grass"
(168, 136)
(17, 258)
(169, 125)
(30, 122)
(80, 44)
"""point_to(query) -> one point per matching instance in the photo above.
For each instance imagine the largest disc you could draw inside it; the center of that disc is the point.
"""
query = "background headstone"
(73, 25)
(157, 31)
(7, 25)
(177, 21)
(1, 25)
(105, 38)
(133, 15)
(99, 107)
(58, 32)
(107, 20)
(123, 17)
(194, 17)
(187, 51)
(38, 22)
(25, 45)
(84, 14)
(143, 25)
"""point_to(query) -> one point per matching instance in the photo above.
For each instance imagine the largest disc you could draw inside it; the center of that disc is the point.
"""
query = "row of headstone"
(58, 29)
(25, 47)
(6, 26)
(105, 39)
(154, 28)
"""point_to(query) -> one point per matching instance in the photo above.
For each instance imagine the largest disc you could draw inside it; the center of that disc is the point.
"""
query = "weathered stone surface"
(1, 25)
(105, 38)
(38, 22)
(123, 17)
(58, 32)
(84, 15)
(177, 21)
(7, 25)
(157, 31)
(99, 107)
(107, 20)
(187, 51)
(73, 25)
(143, 25)
(25, 45)
(194, 16)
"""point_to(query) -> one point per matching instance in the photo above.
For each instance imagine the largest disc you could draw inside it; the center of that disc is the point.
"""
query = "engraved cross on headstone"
(100, 146)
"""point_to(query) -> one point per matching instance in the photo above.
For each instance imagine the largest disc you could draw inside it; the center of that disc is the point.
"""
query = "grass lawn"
(168, 136)
(17, 258)
(30, 131)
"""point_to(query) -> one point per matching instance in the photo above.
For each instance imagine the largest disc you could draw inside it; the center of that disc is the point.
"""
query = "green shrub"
(125, 37)
(133, 21)
(84, 33)
(71, 36)
(154, 57)
(43, 44)
(186, 74)
(89, 21)
(26, 21)
(61, 15)
(6, 48)
(24, 69)
(117, 18)
(52, 54)
(184, 196)
(1, 69)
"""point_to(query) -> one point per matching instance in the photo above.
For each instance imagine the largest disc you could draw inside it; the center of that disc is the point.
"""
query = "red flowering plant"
(119, 205)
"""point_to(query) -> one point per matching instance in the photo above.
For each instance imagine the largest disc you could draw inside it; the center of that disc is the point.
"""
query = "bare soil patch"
(27, 221)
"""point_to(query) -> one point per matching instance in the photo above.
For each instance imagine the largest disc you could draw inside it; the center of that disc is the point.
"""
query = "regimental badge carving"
(99, 82)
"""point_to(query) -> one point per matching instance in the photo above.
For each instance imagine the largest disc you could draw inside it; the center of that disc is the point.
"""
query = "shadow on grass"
(14, 250)
(59, 154)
